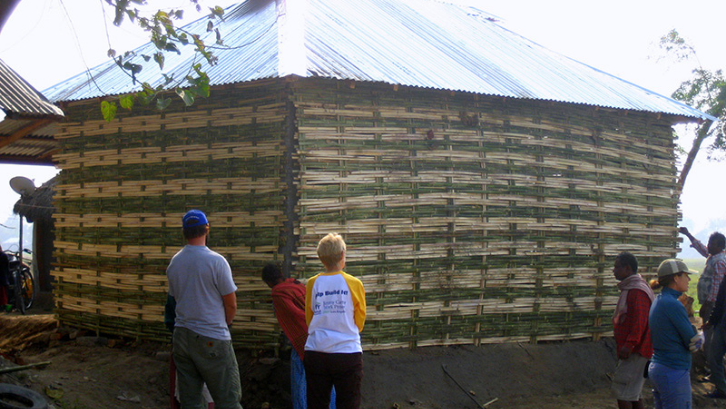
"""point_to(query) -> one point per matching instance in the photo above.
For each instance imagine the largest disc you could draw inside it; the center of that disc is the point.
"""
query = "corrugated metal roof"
(30, 147)
(25, 133)
(19, 97)
(421, 43)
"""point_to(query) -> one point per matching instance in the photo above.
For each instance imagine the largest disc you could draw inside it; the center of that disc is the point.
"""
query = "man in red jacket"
(288, 299)
(632, 334)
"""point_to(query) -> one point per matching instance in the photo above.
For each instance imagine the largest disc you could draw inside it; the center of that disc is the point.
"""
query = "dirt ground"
(87, 371)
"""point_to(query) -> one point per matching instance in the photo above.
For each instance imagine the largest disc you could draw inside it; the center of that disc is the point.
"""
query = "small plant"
(70, 405)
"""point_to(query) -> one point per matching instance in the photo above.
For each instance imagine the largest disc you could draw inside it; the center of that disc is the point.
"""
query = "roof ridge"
(291, 48)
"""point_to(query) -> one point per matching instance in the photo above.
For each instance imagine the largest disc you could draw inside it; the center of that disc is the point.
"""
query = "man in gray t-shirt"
(201, 283)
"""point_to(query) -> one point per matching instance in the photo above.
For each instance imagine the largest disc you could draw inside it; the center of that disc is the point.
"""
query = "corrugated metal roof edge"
(35, 115)
(673, 114)
(686, 106)
(41, 106)
(704, 116)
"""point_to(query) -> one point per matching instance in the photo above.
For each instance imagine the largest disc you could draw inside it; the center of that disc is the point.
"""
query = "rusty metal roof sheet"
(420, 43)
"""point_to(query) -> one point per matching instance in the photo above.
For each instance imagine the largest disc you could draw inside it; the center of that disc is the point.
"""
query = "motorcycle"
(22, 284)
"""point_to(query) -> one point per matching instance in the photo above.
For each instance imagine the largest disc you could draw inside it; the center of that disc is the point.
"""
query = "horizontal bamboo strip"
(156, 252)
(493, 199)
(147, 282)
(155, 220)
(480, 176)
(489, 306)
(498, 225)
(149, 155)
(181, 120)
(396, 134)
(499, 247)
(113, 309)
(152, 188)
(551, 164)
(490, 279)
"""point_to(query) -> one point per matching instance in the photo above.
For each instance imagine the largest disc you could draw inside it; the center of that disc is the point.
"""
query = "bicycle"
(21, 296)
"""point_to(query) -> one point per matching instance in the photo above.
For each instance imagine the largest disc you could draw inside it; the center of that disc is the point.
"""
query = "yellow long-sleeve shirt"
(335, 311)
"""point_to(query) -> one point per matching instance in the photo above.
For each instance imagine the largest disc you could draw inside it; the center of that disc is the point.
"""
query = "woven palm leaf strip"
(123, 190)
(478, 219)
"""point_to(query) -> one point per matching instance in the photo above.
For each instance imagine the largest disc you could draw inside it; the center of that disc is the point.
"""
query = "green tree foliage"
(167, 38)
(706, 91)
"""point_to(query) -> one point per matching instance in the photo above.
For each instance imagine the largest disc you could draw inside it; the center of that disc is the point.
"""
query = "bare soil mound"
(506, 372)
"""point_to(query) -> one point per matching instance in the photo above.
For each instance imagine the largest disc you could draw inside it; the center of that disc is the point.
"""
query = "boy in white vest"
(335, 311)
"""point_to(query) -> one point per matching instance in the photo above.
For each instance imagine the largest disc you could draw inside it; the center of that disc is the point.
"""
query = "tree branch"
(700, 136)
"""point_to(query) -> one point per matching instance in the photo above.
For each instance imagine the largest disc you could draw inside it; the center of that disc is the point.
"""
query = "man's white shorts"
(628, 379)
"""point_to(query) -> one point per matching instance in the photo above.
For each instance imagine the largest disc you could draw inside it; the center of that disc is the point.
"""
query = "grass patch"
(695, 264)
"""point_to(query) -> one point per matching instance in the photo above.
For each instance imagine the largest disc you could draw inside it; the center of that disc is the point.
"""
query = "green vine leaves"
(166, 38)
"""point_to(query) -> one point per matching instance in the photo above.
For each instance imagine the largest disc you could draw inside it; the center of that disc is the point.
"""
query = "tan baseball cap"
(673, 266)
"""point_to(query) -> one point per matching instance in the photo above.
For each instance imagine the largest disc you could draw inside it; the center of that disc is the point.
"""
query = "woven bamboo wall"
(125, 186)
(469, 219)
(477, 220)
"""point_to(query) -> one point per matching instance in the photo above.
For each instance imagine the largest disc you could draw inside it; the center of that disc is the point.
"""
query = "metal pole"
(20, 257)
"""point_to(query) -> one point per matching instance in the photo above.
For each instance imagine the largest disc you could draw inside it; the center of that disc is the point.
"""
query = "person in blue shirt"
(674, 338)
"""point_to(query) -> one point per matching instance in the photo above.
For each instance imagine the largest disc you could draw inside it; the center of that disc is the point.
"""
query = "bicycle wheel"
(17, 289)
(28, 288)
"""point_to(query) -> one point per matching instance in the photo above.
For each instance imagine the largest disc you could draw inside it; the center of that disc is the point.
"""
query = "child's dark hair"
(271, 273)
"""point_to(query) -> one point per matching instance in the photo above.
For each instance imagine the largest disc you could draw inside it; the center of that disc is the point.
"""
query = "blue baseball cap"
(194, 218)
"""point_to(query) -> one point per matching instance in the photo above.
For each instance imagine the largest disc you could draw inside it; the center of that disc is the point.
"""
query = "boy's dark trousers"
(323, 371)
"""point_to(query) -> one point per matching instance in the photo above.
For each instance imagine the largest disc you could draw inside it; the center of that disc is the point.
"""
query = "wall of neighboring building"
(474, 219)
(125, 185)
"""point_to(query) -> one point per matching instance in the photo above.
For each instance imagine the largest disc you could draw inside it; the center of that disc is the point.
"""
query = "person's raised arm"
(684, 231)
(695, 243)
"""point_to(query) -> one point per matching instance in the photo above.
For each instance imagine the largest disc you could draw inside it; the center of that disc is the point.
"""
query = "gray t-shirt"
(198, 279)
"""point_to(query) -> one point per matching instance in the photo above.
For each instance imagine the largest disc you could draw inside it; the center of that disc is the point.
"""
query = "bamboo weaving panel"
(477, 220)
(126, 184)
(470, 219)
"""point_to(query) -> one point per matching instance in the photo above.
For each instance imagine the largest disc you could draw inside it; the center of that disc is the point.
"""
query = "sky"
(48, 41)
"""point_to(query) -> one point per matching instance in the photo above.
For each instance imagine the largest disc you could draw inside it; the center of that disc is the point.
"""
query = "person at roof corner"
(200, 280)
(674, 338)
(712, 276)
(716, 324)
